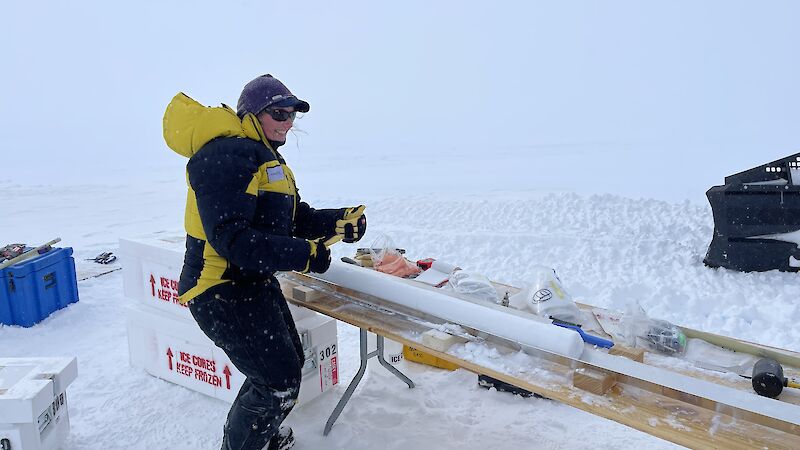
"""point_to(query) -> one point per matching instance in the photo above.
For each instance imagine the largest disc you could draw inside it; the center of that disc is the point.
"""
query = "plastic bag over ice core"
(387, 258)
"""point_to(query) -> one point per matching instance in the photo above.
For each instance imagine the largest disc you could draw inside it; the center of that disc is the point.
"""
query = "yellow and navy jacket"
(244, 218)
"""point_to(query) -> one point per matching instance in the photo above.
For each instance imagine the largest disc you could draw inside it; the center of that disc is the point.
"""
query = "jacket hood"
(188, 125)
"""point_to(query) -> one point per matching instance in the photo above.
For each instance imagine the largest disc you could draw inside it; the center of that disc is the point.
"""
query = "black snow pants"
(252, 324)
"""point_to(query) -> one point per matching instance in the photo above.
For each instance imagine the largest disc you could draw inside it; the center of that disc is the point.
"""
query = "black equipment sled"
(757, 218)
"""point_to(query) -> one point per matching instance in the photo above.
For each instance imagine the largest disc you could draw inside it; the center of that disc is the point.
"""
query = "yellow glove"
(353, 224)
(319, 258)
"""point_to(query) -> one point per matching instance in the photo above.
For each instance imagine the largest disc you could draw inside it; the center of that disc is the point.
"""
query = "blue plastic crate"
(34, 289)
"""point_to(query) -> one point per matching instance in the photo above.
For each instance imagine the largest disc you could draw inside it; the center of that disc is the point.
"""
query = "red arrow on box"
(153, 284)
(227, 373)
(169, 356)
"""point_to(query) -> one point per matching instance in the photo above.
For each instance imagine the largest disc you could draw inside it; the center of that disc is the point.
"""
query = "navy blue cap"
(266, 91)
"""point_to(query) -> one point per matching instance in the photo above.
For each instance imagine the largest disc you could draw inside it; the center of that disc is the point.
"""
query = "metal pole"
(390, 367)
(360, 374)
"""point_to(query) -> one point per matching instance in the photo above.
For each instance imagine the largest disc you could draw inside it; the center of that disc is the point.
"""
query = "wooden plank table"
(660, 414)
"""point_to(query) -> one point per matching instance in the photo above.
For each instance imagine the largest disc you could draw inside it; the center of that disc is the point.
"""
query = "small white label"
(50, 413)
(275, 174)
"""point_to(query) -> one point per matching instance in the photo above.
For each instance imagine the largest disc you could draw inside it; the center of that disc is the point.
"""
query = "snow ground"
(501, 136)
(607, 249)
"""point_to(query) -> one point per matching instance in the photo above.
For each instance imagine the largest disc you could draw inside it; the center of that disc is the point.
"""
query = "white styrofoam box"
(178, 351)
(151, 268)
(164, 339)
(320, 343)
(33, 402)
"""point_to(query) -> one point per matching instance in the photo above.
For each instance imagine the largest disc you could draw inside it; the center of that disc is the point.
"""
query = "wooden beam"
(593, 381)
(635, 354)
(304, 294)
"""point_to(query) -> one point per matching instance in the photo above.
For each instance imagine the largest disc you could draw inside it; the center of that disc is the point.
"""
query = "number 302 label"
(327, 352)
(328, 367)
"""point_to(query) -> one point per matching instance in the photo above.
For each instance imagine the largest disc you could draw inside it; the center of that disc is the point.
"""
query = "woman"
(245, 221)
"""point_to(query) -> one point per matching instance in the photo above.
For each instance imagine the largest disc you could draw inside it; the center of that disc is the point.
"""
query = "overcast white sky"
(626, 83)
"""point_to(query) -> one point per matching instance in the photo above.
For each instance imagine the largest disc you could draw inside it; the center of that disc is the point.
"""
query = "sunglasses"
(281, 115)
